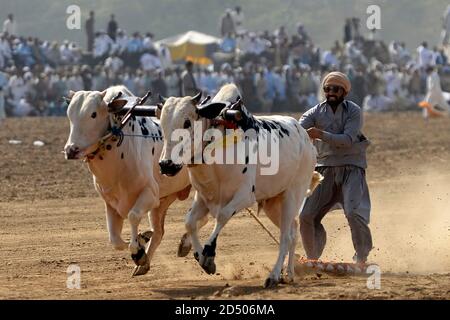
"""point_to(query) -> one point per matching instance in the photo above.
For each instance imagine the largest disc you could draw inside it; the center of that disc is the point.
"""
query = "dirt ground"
(51, 218)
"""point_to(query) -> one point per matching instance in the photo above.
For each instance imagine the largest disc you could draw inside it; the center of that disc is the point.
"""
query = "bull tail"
(315, 181)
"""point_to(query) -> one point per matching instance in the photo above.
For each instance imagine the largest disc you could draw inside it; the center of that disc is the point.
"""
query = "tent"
(192, 45)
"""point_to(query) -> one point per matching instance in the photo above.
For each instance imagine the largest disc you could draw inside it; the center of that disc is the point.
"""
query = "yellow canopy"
(191, 45)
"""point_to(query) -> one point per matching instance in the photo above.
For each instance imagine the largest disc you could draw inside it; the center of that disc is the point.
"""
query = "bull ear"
(210, 111)
(196, 99)
(237, 104)
(103, 94)
(116, 105)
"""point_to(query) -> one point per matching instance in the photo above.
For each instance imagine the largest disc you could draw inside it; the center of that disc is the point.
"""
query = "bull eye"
(93, 115)
(187, 124)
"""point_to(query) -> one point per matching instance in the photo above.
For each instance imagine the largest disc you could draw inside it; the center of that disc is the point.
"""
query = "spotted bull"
(125, 172)
(224, 189)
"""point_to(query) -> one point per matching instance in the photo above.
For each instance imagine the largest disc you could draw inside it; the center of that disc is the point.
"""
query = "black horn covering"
(121, 106)
(140, 111)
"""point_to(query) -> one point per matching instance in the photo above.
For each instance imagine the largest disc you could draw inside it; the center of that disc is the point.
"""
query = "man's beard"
(335, 103)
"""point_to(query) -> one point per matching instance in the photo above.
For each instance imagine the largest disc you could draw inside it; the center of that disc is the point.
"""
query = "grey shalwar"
(342, 161)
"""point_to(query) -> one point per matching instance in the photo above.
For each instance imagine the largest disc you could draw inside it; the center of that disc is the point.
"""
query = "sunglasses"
(332, 89)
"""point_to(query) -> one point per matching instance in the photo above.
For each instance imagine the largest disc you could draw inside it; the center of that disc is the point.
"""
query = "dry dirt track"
(50, 217)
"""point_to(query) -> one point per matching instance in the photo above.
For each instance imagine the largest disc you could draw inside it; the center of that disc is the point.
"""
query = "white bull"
(224, 189)
(126, 175)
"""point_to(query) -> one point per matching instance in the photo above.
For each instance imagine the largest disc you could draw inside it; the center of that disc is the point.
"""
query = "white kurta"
(434, 94)
(2, 106)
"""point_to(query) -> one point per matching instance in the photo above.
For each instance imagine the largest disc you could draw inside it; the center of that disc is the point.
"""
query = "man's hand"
(315, 133)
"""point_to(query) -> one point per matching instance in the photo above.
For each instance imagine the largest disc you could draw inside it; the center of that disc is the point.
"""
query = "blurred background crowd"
(276, 71)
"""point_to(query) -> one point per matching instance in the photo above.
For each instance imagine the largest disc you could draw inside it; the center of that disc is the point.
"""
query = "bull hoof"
(209, 265)
(141, 270)
(183, 250)
(270, 283)
(140, 258)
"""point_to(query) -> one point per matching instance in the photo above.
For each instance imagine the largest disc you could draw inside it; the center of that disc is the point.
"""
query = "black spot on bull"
(210, 250)
(144, 129)
(250, 122)
(266, 126)
(284, 130)
(272, 125)
(108, 147)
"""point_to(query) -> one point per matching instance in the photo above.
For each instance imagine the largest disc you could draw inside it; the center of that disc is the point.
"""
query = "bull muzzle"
(169, 168)
(72, 152)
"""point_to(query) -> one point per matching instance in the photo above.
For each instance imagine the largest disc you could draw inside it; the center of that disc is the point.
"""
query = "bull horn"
(162, 99)
(237, 104)
(66, 100)
(71, 94)
(196, 98)
(205, 101)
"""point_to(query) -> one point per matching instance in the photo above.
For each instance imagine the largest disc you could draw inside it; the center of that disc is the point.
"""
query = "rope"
(263, 226)
(157, 136)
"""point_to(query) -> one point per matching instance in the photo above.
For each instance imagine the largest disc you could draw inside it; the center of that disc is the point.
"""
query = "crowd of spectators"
(276, 71)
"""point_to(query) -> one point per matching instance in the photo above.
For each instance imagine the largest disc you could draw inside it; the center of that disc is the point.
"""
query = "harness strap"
(115, 132)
